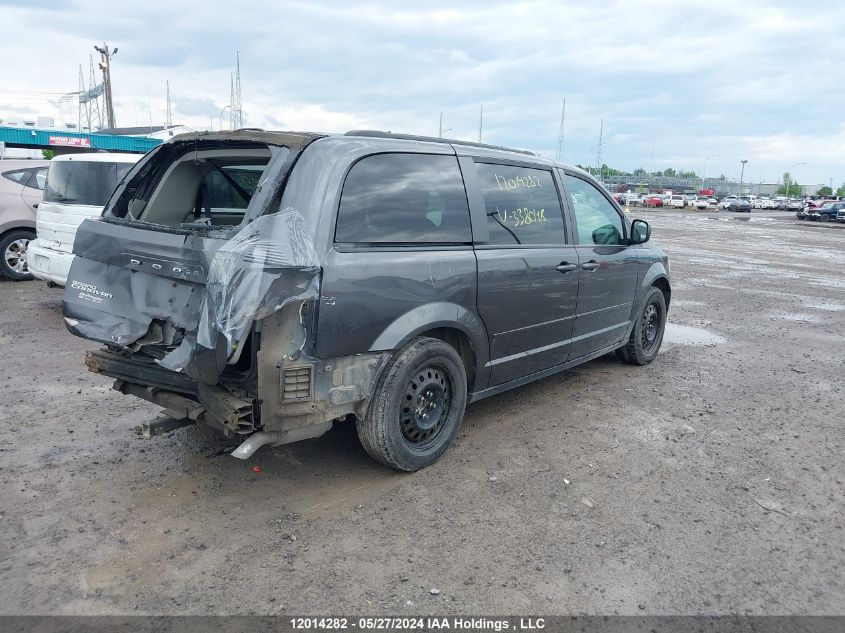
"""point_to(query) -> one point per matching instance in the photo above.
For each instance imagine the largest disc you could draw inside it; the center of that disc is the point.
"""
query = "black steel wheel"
(647, 334)
(426, 404)
(417, 406)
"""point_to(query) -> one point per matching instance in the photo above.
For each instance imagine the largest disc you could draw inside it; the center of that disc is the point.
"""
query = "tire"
(425, 375)
(13, 254)
(644, 342)
(825, 217)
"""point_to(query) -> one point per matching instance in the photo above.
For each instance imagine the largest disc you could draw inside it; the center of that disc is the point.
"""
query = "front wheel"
(825, 217)
(417, 406)
(647, 335)
(13, 247)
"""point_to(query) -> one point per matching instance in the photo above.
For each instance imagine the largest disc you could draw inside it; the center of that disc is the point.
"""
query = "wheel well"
(462, 344)
(25, 229)
(664, 288)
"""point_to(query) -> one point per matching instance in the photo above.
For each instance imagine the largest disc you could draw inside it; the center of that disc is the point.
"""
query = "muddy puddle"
(687, 335)
(825, 305)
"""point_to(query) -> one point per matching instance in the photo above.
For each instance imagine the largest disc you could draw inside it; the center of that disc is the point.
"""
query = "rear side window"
(522, 205)
(38, 179)
(17, 176)
(404, 199)
(83, 182)
(232, 187)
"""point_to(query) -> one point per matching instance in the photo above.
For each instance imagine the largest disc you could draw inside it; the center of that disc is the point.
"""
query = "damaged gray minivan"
(268, 284)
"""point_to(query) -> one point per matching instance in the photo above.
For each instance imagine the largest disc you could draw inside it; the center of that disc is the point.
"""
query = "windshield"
(83, 182)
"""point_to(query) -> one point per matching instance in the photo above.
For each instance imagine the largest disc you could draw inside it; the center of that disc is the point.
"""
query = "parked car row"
(729, 202)
(43, 202)
(824, 213)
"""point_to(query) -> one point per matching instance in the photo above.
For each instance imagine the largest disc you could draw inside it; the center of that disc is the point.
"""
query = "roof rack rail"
(433, 139)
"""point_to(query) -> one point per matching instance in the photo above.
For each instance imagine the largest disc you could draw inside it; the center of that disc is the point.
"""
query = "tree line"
(605, 170)
(789, 186)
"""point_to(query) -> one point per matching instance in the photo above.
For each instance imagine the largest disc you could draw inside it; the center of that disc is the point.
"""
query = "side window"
(402, 199)
(17, 176)
(597, 220)
(36, 178)
(39, 181)
(522, 205)
(231, 188)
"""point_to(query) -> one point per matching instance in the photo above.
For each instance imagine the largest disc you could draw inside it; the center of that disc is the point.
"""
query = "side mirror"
(640, 232)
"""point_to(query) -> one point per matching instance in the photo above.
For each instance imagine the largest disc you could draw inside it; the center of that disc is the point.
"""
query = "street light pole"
(220, 116)
(786, 186)
(741, 174)
(704, 175)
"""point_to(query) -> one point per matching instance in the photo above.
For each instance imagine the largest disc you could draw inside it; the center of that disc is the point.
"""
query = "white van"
(78, 186)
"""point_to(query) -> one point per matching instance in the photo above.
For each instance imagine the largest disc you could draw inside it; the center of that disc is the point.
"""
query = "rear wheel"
(417, 406)
(13, 247)
(647, 335)
(825, 217)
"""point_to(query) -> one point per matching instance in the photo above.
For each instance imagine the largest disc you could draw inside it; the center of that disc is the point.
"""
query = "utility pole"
(651, 165)
(105, 66)
(480, 121)
(559, 154)
(440, 127)
(598, 147)
(704, 174)
(169, 120)
(741, 174)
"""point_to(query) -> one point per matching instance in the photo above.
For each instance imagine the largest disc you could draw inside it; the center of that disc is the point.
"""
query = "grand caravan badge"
(89, 292)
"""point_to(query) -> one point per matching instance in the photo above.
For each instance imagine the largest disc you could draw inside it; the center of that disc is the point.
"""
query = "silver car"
(21, 187)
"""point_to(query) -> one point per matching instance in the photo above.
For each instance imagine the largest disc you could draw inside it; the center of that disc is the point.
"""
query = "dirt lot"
(708, 482)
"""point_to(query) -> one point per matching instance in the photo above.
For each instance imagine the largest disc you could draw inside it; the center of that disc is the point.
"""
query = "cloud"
(749, 80)
(195, 106)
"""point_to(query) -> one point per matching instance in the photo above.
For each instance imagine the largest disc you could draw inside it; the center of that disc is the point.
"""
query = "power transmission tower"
(231, 101)
(84, 113)
(238, 106)
(90, 113)
(559, 154)
(105, 66)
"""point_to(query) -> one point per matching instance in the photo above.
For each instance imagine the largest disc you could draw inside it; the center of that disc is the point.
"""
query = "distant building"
(678, 184)
(160, 132)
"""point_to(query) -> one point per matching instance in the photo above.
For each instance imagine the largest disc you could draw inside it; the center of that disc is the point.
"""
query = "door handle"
(590, 265)
(34, 205)
(565, 267)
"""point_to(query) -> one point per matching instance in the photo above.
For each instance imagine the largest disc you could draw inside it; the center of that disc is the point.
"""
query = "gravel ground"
(708, 482)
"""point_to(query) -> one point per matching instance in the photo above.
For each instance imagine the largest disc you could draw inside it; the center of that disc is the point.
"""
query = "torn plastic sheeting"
(268, 264)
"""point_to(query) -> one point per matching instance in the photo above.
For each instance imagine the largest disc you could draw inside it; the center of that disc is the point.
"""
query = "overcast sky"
(677, 80)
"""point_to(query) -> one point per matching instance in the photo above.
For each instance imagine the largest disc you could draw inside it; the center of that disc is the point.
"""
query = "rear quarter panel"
(376, 299)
